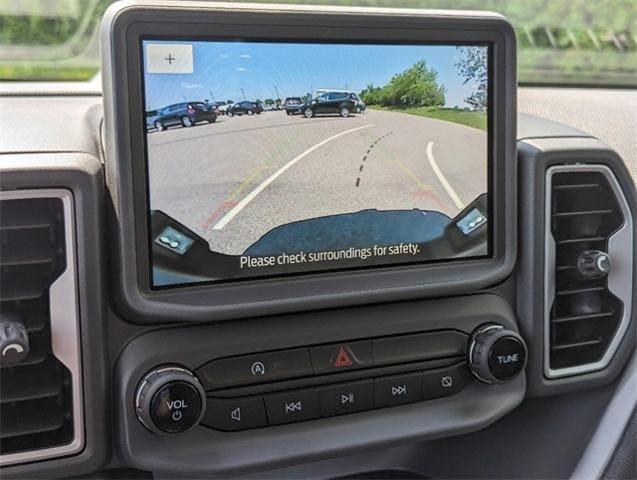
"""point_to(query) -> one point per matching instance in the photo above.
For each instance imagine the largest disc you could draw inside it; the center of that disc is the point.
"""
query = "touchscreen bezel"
(124, 29)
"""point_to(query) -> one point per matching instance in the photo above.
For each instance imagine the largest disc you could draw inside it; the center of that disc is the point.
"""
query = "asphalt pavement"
(234, 180)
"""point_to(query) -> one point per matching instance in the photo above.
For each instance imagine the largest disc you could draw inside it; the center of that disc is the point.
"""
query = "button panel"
(286, 386)
(267, 367)
(337, 399)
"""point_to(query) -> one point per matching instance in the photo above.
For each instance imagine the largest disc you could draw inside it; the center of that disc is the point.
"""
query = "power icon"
(177, 415)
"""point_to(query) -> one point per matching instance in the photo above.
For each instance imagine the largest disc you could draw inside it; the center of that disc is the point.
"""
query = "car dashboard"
(529, 372)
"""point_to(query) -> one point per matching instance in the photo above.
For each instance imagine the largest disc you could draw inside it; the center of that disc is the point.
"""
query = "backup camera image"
(267, 159)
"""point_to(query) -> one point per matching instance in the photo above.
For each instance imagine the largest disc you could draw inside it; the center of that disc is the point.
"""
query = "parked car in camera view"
(185, 114)
(293, 105)
(244, 108)
(360, 105)
(341, 103)
(219, 107)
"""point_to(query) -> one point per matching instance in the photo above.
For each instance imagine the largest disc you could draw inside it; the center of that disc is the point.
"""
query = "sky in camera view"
(237, 70)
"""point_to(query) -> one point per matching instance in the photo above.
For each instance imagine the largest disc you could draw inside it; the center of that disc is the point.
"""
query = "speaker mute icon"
(236, 414)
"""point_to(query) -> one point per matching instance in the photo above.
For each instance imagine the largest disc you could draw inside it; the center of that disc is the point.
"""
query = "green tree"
(371, 95)
(472, 66)
(415, 87)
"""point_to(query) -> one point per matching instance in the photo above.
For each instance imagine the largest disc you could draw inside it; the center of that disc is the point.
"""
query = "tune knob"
(170, 399)
(496, 355)
(593, 264)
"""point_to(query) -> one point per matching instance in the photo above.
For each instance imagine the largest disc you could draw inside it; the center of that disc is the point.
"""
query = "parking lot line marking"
(443, 181)
(251, 196)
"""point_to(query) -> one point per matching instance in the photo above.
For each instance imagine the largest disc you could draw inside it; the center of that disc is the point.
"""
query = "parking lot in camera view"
(233, 181)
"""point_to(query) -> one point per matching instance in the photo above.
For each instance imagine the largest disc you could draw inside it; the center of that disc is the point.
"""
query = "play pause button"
(346, 398)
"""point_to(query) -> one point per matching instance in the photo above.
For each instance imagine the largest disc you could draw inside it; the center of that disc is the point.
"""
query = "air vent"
(587, 314)
(39, 394)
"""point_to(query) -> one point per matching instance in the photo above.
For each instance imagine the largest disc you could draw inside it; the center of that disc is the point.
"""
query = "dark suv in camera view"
(341, 103)
(185, 114)
(247, 108)
(293, 105)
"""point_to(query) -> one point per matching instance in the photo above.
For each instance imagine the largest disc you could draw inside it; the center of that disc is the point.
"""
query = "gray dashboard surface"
(57, 124)
(610, 115)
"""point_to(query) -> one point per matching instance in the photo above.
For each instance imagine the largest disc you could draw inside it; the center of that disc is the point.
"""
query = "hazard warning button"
(340, 357)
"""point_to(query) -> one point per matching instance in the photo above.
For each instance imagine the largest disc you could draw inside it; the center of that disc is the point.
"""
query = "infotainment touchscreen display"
(283, 158)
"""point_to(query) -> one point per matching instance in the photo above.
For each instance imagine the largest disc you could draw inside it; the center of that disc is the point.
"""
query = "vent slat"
(28, 418)
(14, 262)
(568, 346)
(11, 295)
(30, 226)
(580, 186)
(571, 241)
(582, 213)
(579, 291)
(577, 318)
(44, 381)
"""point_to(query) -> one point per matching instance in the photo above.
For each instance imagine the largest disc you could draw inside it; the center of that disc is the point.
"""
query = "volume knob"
(170, 399)
(496, 355)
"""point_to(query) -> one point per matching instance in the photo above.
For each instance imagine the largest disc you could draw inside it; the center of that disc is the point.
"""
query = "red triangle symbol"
(342, 358)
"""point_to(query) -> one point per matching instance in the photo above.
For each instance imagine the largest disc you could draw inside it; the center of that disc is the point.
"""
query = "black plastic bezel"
(123, 29)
